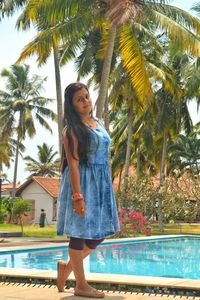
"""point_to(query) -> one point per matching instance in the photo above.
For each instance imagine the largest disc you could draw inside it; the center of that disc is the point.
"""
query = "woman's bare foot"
(88, 292)
(61, 275)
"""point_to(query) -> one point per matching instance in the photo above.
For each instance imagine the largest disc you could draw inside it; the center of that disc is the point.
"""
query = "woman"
(86, 205)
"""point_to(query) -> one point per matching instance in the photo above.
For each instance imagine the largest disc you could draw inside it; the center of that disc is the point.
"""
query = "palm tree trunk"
(16, 166)
(120, 180)
(106, 115)
(119, 188)
(138, 162)
(58, 96)
(105, 73)
(162, 178)
(128, 152)
(21, 225)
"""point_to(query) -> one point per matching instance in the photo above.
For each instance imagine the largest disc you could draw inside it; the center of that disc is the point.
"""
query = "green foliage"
(20, 105)
(15, 208)
(21, 207)
(180, 197)
(46, 165)
(6, 207)
(141, 196)
(1, 216)
(185, 153)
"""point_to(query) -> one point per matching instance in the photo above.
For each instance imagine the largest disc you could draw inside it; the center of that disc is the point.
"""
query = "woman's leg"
(64, 269)
(82, 288)
(76, 260)
(76, 254)
(78, 250)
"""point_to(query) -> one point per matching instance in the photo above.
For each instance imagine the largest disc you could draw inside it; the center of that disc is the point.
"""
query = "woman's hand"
(79, 207)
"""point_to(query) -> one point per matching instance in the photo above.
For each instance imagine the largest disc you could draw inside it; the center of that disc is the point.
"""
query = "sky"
(12, 43)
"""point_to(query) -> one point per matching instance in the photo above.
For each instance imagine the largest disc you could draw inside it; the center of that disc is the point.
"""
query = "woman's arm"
(74, 174)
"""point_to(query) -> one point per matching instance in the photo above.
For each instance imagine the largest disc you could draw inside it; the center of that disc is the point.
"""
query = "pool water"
(167, 257)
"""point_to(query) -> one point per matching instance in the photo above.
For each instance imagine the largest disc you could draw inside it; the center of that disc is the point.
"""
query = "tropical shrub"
(133, 223)
(180, 198)
(20, 208)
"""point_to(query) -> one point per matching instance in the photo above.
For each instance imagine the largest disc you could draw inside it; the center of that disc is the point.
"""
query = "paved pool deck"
(43, 292)
(41, 278)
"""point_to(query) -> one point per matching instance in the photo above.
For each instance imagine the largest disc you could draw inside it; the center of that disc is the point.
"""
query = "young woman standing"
(87, 210)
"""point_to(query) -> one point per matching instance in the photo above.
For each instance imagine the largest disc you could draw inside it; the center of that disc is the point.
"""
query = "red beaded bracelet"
(77, 196)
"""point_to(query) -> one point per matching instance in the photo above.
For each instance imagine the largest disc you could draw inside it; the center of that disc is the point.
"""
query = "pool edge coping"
(62, 244)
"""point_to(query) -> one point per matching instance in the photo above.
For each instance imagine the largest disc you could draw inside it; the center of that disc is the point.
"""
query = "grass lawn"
(49, 231)
(177, 229)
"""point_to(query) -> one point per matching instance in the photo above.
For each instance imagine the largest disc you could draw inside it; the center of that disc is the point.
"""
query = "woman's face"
(81, 102)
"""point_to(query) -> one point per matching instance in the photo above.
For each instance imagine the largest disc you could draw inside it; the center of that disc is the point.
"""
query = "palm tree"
(21, 103)
(122, 94)
(186, 152)
(75, 18)
(4, 159)
(7, 149)
(46, 165)
(43, 51)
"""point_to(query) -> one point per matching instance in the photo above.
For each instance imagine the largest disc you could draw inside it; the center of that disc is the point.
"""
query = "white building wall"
(42, 201)
(6, 194)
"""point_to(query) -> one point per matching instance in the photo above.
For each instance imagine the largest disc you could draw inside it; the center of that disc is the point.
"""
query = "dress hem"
(89, 238)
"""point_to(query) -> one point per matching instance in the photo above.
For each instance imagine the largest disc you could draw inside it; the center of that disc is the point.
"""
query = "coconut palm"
(122, 93)
(75, 18)
(156, 127)
(186, 151)
(5, 154)
(46, 165)
(43, 51)
(7, 149)
(21, 104)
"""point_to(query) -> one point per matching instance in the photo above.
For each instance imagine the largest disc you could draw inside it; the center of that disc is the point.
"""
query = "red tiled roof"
(50, 184)
(8, 186)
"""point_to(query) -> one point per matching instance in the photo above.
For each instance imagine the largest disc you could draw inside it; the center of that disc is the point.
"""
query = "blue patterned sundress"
(101, 219)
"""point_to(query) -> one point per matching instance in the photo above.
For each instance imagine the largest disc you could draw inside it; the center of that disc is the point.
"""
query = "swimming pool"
(163, 257)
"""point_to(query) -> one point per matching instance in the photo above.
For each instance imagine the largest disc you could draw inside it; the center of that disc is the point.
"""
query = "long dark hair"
(74, 126)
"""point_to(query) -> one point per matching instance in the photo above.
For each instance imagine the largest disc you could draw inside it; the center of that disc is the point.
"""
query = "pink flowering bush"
(133, 222)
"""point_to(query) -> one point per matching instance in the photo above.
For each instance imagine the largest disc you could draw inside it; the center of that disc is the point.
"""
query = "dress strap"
(98, 121)
(64, 129)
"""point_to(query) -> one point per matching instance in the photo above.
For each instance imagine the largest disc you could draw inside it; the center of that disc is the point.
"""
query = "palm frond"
(84, 62)
(187, 123)
(178, 15)
(68, 50)
(179, 35)
(58, 10)
(42, 122)
(167, 78)
(134, 62)
(41, 46)
(8, 8)
(44, 111)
